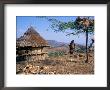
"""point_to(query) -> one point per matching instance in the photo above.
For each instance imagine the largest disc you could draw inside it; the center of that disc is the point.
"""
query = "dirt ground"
(57, 65)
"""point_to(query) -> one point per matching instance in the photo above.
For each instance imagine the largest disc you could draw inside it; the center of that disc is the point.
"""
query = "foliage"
(79, 25)
(56, 54)
(80, 50)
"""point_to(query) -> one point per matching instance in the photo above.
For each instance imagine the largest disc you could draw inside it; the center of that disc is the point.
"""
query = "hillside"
(54, 43)
(64, 46)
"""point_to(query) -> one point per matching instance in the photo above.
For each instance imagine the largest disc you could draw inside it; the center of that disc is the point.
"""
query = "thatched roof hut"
(31, 44)
(31, 38)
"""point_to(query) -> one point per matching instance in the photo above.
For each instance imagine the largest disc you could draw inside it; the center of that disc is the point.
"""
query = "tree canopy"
(80, 25)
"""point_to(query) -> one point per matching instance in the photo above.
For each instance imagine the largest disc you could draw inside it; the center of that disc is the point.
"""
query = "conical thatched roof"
(31, 38)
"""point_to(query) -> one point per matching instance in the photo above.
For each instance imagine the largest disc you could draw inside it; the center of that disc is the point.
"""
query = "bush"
(56, 54)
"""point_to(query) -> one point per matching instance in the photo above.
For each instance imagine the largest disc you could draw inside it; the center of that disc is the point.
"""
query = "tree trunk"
(86, 46)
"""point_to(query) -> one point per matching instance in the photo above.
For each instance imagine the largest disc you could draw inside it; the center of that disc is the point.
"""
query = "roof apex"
(31, 38)
(31, 30)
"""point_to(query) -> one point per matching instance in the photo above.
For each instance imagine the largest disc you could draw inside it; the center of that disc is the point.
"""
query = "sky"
(42, 26)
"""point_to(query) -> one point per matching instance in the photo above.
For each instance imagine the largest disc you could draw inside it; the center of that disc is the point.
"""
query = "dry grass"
(57, 65)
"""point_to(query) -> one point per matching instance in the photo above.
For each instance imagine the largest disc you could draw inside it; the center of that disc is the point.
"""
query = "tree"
(79, 25)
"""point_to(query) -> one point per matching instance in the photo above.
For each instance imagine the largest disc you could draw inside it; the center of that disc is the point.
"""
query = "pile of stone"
(30, 69)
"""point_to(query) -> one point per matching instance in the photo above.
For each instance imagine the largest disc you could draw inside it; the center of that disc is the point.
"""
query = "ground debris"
(56, 66)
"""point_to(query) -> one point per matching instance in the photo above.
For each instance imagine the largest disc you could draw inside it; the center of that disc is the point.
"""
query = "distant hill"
(62, 45)
(54, 43)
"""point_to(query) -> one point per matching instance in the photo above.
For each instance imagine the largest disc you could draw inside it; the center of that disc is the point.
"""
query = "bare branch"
(70, 34)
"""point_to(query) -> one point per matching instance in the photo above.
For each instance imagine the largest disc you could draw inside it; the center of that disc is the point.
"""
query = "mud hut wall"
(41, 50)
(29, 51)
(21, 52)
(34, 53)
(45, 49)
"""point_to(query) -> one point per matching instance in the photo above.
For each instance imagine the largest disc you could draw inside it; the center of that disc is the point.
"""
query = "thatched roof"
(31, 38)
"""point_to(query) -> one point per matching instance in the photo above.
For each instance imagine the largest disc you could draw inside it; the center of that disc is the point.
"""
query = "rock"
(30, 69)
